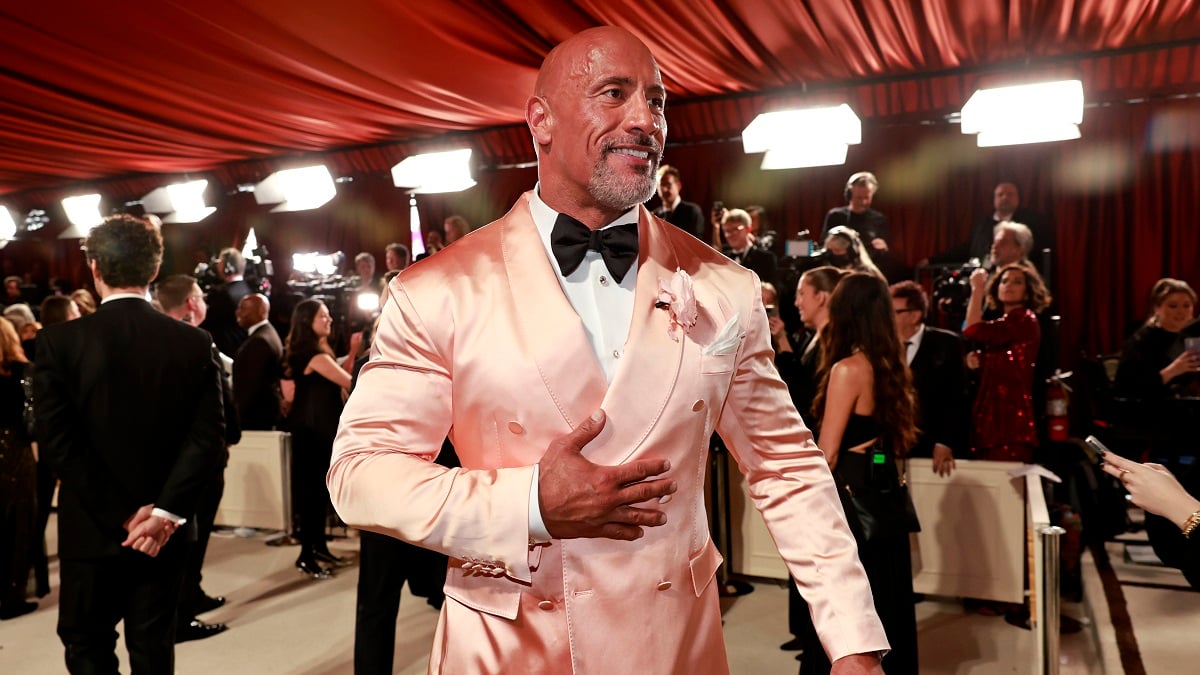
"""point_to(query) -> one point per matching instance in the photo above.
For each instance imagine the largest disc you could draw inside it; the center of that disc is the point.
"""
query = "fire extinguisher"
(1057, 399)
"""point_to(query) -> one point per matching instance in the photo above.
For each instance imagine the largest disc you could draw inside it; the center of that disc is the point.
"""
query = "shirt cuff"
(167, 515)
(537, 527)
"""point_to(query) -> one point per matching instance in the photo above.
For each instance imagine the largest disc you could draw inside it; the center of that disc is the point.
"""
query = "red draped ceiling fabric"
(126, 96)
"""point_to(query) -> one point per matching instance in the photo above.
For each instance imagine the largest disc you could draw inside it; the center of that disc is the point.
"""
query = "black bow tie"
(570, 240)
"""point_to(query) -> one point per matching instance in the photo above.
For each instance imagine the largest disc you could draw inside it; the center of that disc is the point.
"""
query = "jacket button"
(664, 585)
(698, 406)
(546, 605)
(516, 428)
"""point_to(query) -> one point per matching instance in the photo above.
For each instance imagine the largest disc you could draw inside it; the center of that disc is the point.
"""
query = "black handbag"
(878, 500)
(27, 410)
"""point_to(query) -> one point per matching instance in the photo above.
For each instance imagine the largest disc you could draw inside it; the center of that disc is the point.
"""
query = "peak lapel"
(646, 374)
(550, 329)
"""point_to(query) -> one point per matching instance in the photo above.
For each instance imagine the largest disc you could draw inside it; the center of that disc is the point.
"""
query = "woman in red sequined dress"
(1003, 423)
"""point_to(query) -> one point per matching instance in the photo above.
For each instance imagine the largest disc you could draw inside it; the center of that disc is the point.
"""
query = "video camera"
(952, 288)
(259, 270)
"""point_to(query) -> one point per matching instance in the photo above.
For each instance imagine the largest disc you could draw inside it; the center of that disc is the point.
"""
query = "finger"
(619, 531)
(585, 432)
(635, 472)
(1114, 460)
(631, 515)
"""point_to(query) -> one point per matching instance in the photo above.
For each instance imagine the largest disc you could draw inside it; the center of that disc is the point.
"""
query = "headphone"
(848, 234)
(862, 176)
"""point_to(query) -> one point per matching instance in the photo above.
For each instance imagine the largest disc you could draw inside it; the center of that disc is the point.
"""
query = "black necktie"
(570, 240)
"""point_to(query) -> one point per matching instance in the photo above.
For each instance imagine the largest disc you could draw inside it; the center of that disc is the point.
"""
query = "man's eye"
(658, 103)
(613, 93)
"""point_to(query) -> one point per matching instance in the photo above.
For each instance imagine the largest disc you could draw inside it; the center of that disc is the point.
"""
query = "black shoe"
(329, 558)
(198, 630)
(14, 609)
(792, 645)
(207, 603)
(309, 565)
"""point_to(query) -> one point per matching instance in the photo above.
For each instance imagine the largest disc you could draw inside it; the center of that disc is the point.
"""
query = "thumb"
(587, 430)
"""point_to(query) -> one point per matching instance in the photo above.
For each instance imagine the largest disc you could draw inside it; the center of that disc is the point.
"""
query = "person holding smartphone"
(1156, 362)
(1153, 488)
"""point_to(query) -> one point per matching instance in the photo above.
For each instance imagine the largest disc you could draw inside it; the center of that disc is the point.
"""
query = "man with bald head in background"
(258, 366)
(580, 352)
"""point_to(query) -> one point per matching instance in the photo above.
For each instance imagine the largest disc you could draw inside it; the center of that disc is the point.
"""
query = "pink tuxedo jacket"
(481, 341)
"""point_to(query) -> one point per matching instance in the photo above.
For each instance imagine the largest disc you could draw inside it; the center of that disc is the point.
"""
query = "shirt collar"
(260, 324)
(673, 205)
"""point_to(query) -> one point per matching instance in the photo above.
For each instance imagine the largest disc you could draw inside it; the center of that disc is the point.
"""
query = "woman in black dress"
(866, 407)
(320, 393)
(18, 478)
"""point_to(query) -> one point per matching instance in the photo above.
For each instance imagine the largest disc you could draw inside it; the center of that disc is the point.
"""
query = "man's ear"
(95, 269)
(537, 115)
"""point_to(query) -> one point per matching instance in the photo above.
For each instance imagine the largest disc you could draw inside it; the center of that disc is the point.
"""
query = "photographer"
(223, 301)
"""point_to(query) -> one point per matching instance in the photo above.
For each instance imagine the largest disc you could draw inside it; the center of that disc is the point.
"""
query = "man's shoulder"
(941, 335)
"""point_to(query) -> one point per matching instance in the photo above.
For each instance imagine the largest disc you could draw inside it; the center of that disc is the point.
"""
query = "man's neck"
(906, 335)
(1001, 216)
(584, 209)
(183, 315)
(671, 206)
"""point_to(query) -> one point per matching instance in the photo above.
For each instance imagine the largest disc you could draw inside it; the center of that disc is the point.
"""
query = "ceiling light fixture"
(84, 213)
(435, 172)
(1027, 113)
(296, 189)
(181, 202)
(803, 137)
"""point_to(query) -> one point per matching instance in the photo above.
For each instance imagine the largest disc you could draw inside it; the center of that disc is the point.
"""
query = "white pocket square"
(727, 340)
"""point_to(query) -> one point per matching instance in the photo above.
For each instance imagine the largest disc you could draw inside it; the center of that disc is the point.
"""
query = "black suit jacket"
(761, 261)
(940, 380)
(689, 217)
(257, 370)
(128, 409)
(221, 319)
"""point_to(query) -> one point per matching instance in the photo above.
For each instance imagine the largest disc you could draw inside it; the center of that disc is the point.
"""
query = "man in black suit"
(223, 300)
(1006, 203)
(128, 409)
(741, 249)
(258, 366)
(687, 216)
(181, 298)
(939, 375)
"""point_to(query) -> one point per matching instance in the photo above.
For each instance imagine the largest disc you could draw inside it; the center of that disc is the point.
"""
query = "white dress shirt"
(604, 306)
(912, 344)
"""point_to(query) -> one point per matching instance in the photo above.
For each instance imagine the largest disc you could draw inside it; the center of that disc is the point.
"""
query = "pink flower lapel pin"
(677, 297)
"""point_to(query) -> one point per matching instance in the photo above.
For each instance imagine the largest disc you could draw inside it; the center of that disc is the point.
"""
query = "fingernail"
(598, 415)
(667, 465)
(664, 499)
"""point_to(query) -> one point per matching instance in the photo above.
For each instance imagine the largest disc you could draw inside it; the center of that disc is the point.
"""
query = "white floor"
(281, 622)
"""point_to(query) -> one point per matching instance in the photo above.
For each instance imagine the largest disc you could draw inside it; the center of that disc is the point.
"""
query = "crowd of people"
(572, 425)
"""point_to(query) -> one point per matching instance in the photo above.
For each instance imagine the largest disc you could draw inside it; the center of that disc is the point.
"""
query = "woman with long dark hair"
(866, 408)
(313, 420)
(18, 478)
(1003, 427)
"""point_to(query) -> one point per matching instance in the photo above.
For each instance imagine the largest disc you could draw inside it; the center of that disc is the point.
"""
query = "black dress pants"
(384, 565)
(206, 516)
(98, 593)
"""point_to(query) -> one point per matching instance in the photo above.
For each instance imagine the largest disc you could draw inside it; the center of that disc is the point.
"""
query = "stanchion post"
(1050, 601)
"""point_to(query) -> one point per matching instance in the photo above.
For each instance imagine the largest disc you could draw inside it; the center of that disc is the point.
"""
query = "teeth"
(640, 154)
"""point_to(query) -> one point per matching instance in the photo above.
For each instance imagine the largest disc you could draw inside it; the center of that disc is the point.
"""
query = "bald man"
(258, 366)
(580, 367)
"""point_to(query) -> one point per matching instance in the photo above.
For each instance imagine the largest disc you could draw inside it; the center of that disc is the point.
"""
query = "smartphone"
(1191, 344)
(1095, 444)
(772, 310)
(718, 207)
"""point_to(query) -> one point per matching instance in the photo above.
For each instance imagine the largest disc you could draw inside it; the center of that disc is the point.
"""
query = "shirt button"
(546, 605)
(603, 280)
(664, 585)
(698, 406)
(616, 353)
(516, 428)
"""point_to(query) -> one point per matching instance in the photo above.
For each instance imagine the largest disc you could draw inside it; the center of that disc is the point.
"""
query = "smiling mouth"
(639, 154)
